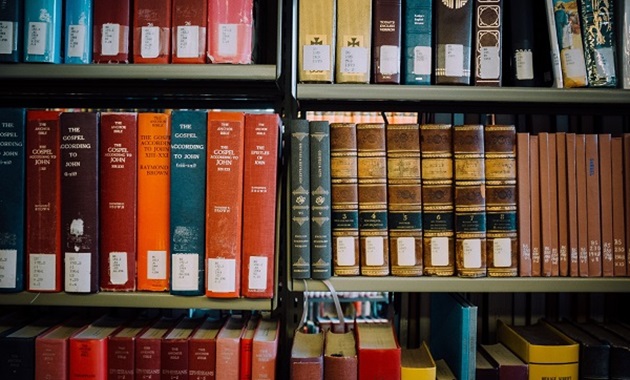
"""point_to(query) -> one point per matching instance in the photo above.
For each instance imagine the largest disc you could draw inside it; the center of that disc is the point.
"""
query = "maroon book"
(202, 348)
(79, 197)
(387, 41)
(52, 350)
(152, 31)
(148, 349)
(118, 172)
(175, 350)
(121, 348)
(189, 32)
(43, 201)
(111, 31)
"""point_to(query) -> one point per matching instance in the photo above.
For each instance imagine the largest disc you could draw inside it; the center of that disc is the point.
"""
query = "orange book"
(535, 205)
(224, 203)
(563, 215)
(572, 204)
(523, 184)
(153, 201)
(545, 203)
(553, 202)
(265, 349)
(580, 156)
(606, 204)
(619, 225)
(593, 196)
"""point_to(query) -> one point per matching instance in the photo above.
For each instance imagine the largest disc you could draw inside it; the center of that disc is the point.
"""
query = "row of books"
(439, 199)
(181, 201)
(483, 43)
(122, 31)
(166, 348)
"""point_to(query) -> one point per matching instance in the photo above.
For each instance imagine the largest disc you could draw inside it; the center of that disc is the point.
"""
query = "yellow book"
(417, 364)
(316, 40)
(354, 41)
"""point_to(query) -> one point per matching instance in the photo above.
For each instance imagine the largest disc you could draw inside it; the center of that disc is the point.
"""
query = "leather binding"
(593, 208)
(438, 244)
(152, 31)
(597, 19)
(372, 178)
(453, 39)
(354, 41)
(112, 24)
(536, 249)
(387, 42)
(307, 356)
(300, 238)
(340, 356)
(563, 218)
(488, 17)
(553, 202)
(321, 246)
(582, 217)
(316, 41)
(619, 225)
(501, 200)
(523, 204)
(470, 201)
(417, 51)
(545, 203)
(606, 204)
(189, 31)
(344, 198)
(573, 246)
(404, 191)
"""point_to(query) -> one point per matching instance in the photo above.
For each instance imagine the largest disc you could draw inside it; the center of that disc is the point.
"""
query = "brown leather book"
(501, 200)
(523, 204)
(453, 41)
(307, 356)
(545, 203)
(487, 61)
(404, 191)
(316, 41)
(619, 224)
(606, 204)
(470, 201)
(387, 25)
(593, 196)
(438, 245)
(563, 216)
(534, 168)
(553, 201)
(354, 41)
(573, 247)
(626, 176)
(340, 356)
(112, 24)
(582, 217)
(372, 176)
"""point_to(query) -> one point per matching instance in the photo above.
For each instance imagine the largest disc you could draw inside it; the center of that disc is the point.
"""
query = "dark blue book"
(417, 42)
(43, 25)
(11, 16)
(321, 227)
(188, 201)
(12, 193)
(78, 31)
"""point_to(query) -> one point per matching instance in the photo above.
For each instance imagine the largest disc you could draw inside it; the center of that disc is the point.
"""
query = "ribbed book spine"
(417, 52)
(470, 201)
(354, 41)
(488, 43)
(43, 34)
(436, 142)
(321, 247)
(300, 188)
(404, 192)
(597, 18)
(11, 18)
(188, 202)
(453, 41)
(78, 31)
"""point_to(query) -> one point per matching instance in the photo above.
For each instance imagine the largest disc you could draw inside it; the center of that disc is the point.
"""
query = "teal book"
(299, 193)
(598, 32)
(417, 42)
(188, 202)
(454, 336)
(12, 193)
(43, 27)
(78, 31)
(321, 224)
(11, 17)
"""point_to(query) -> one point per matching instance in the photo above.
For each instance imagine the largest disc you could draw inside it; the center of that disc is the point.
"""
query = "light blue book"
(78, 31)
(42, 31)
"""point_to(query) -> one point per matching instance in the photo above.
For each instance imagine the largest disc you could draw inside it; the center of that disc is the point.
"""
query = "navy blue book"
(11, 16)
(78, 31)
(188, 202)
(12, 193)
(417, 42)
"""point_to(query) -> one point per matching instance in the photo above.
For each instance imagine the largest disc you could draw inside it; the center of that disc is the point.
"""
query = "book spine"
(87, 359)
(553, 202)
(11, 45)
(111, 31)
(120, 358)
(501, 201)
(619, 225)
(321, 249)
(230, 28)
(42, 36)
(417, 42)
(228, 359)
(387, 41)
(572, 207)
(534, 169)
(201, 359)
(79, 197)
(354, 41)
(152, 31)
(606, 204)
(470, 201)
(189, 33)
(593, 208)
(404, 191)
(224, 208)
(598, 30)
(51, 359)
(316, 41)
(624, 45)
(188, 202)
(453, 41)
(300, 199)
(563, 216)
(344, 199)
(545, 204)
(569, 39)
(438, 233)
(18, 358)
(265, 354)
(43, 202)
(154, 134)
(556, 66)
(260, 204)
(583, 245)
(245, 358)
(488, 41)
(174, 361)
(148, 359)
(520, 15)
(626, 176)
(523, 205)
(372, 180)
(12, 200)
(78, 31)
(118, 174)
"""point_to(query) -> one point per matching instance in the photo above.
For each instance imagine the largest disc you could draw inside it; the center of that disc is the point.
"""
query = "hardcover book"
(43, 202)
(569, 38)
(316, 41)
(417, 44)
(118, 173)
(321, 230)
(606, 204)
(619, 225)
(12, 198)
(484, 369)
(265, 349)
(300, 188)
(121, 349)
(43, 26)
(17, 350)
(387, 25)
(11, 19)
(523, 204)
(202, 347)
(246, 347)
(534, 167)
(78, 29)
(443, 371)
(592, 172)
(188, 201)
(488, 40)
(508, 364)
(553, 201)
(597, 19)
(152, 31)
(111, 36)
(582, 220)
(521, 44)
(353, 41)
(228, 348)
(546, 225)
(626, 176)
(230, 28)
(417, 364)
(340, 356)
(554, 45)
(52, 349)
(148, 349)
(453, 42)
(224, 208)
(378, 351)
(619, 348)
(562, 196)
(175, 349)
(189, 31)
(307, 356)
(571, 170)
(624, 45)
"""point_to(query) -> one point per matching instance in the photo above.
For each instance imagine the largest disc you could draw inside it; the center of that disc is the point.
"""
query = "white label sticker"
(439, 251)
(228, 39)
(472, 253)
(257, 273)
(150, 42)
(118, 271)
(490, 64)
(605, 61)
(185, 271)
(524, 64)
(37, 35)
(574, 63)
(502, 248)
(406, 247)
(156, 265)
(354, 60)
(42, 272)
(187, 41)
(78, 271)
(110, 38)
(316, 58)
(389, 60)
(422, 60)
(8, 268)
(454, 60)
(345, 251)
(6, 37)
(222, 275)
(374, 251)
(76, 40)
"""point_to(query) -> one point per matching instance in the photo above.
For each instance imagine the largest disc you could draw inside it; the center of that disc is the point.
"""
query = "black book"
(619, 349)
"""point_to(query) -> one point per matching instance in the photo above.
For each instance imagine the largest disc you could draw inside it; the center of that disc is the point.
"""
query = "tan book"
(572, 204)
(553, 201)
(582, 213)
(562, 197)
(593, 206)
(619, 225)
(437, 199)
(316, 40)
(545, 203)
(523, 204)
(354, 41)
(404, 192)
(606, 204)
(535, 205)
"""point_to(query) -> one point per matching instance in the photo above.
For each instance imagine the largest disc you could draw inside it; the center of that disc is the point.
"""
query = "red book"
(224, 204)
(265, 349)
(88, 349)
(148, 349)
(52, 350)
(572, 204)
(606, 204)
(228, 348)
(111, 31)
(152, 31)
(563, 215)
(534, 168)
(202, 347)
(259, 204)
(378, 351)
(43, 202)
(582, 214)
(121, 350)
(175, 350)
(230, 29)
(619, 225)
(189, 31)
(118, 173)
(523, 184)
(247, 341)
(593, 206)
